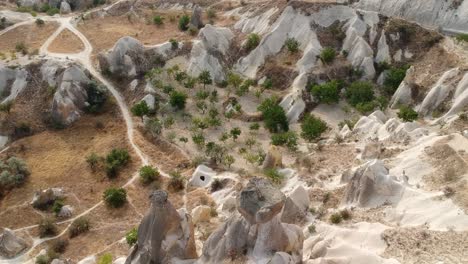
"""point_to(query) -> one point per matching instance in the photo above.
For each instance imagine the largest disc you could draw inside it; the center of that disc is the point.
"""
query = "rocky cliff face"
(164, 234)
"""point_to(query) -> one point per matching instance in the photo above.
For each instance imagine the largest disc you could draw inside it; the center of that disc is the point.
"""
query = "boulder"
(12, 82)
(296, 206)
(164, 234)
(273, 159)
(88, 260)
(196, 19)
(202, 176)
(150, 101)
(256, 230)
(42, 199)
(372, 150)
(66, 211)
(260, 201)
(201, 213)
(370, 185)
(10, 244)
(65, 8)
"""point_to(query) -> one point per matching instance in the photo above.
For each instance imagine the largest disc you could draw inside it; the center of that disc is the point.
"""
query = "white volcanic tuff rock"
(71, 96)
(370, 185)
(10, 244)
(164, 234)
(432, 13)
(150, 101)
(383, 50)
(295, 206)
(439, 92)
(257, 24)
(65, 8)
(12, 80)
(257, 230)
(12, 17)
(460, 98)
(202, 176)
(88, 260)
(214, 42)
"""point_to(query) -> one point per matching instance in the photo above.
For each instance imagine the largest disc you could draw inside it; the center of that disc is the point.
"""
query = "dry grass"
(33, 36)
(66, 42)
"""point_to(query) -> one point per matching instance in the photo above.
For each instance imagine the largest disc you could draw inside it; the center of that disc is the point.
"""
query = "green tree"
(115, 160)
(328, 93)
(115, 197)
(327, 55)
(288, 139)
(205, 78)
(178, 100)
(360, 92)
(235, 133)
(140, 109)
(148, 174)
(312, 127)
(274, 117)
(393, 79)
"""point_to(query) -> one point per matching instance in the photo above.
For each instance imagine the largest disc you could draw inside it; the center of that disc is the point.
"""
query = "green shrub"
(178, 99)
(148, 174)
(274, 175)
(174, 44)
(47, 228)
(53, 11)
(312, 127)
(13, 172)
(359, 92)
(292, 45)
(328, 55)
(176, 182)
(274, 116)
(407, 114)
(462, 37)
(105, 259)
(57, 206)
(59, 245)
(93, 161)
(184, 22)
(21, 47)
(252, 41)
(367, 107)
(312, 229)
(115, 160)
(79, 226)
(39, 22)
(394, 78)
(132, 236)
(336, 218)
(235, 133)
(328, 93)
(140, 109)
(288, 139)
(115, 197)
(158, 20)
(205, 78)
(345, 214)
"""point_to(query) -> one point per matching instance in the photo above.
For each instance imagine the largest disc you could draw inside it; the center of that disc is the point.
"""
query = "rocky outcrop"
(206, 53)
(202, 176)
(129, 58)
(10, 244)
(295, 207)
(70, 98)
(12, 82)
(439, 92)
(460, 98)
(256, 230)
(164, 234)
(273, 159)
(196, 18)
(370, 185)
(44, 198)
(65, 8)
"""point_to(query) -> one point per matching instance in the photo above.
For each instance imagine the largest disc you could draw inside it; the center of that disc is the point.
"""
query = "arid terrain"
(206, 132)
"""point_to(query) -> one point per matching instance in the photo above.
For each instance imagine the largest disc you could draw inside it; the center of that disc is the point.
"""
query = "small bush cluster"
(292, 45)
(394, 78)
(115, 197)
(21, 47)
(184, 22)
(132, 236)
(288, 139)
(47, 228)
(158, 20)
(59, 245)
(328, 93)
(252, 41)
(97, 97)
(105, 259)
(274, 175)
(79, 226)
(148, 174)
(14, 172)
(140, 109)
(178, 100)
(274, 116)
(176, 182)
(312, 127)
(327, 55)
(115, 160)
(407, 114)
(462, 37)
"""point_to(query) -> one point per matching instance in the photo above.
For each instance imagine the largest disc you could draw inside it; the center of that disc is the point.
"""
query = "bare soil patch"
(66, 42)
(33, 36)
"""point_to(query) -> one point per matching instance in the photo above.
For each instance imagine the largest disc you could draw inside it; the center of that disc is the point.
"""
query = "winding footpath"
(84, 58)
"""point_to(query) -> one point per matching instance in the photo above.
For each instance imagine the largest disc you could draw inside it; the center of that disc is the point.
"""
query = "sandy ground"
(33, 36)
(66, 42)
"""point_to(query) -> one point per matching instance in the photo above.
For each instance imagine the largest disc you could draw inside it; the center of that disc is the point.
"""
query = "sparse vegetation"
(184, 22)
(105, 259)
(97, 98)
(21, 47)
(79, 226)
(336, 218)
(274, 117)
(176, 182)
(132, 236)
(178, 99)
(292, 45)
(288, 139)
(312, 127)
(328, 92)
(154, 127)
(39, 22)
(327, 55)
(407, 114)
(394, 78)
(252, 42)
(462, 37)
(115, 160)
(47, 228)
(359, 92)
(140, 109)
(158, 20)
(274, 175)
(115, 197)
(53, 11)
(59, 245)
(14, 172)
(148, 174)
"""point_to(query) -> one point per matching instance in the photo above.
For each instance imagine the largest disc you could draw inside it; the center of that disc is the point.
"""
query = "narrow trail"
(83, 58)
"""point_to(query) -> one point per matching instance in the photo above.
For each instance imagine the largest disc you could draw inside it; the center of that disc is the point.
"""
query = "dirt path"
(84, 58)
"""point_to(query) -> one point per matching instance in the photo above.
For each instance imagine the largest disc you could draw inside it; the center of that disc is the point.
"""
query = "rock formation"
(10, 244)
(164, 234)
(256, 230)
(44, 198)
(196, 19)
